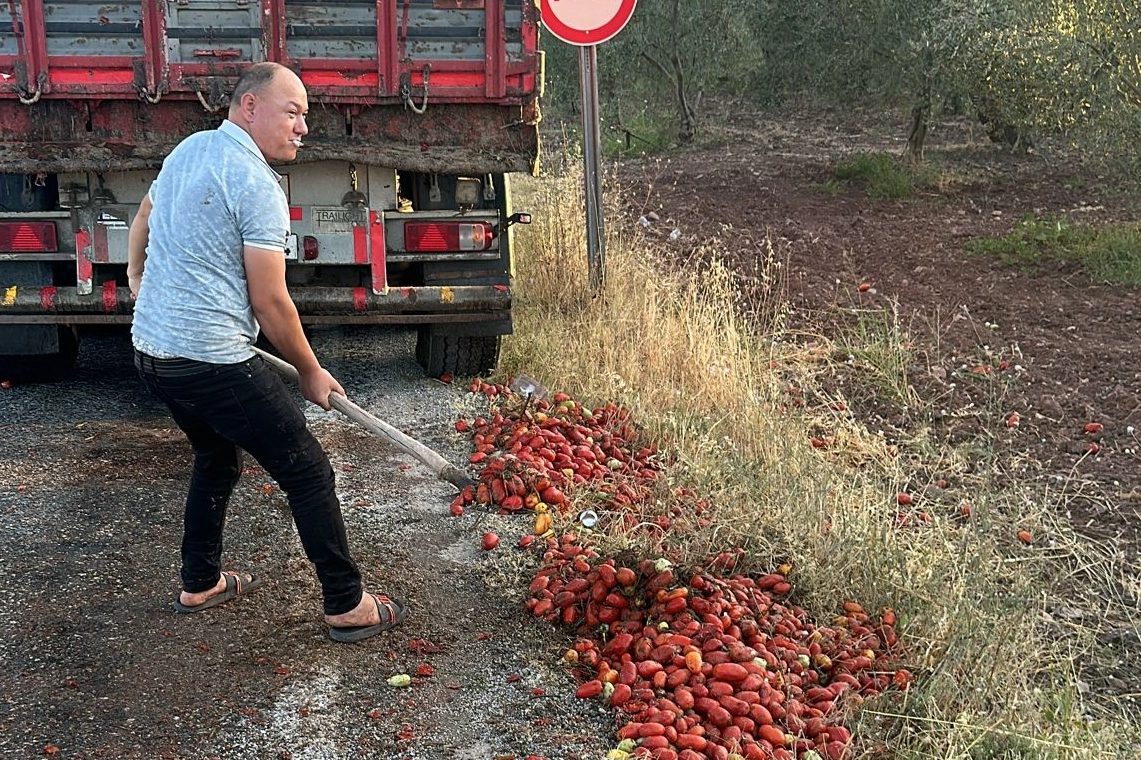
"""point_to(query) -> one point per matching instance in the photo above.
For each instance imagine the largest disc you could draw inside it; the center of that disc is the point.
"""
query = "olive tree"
(1103, 54)
(1022, 67)
(1019, 66)
(918, 53)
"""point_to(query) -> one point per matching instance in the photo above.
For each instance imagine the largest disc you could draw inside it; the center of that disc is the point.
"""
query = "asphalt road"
(96, 664)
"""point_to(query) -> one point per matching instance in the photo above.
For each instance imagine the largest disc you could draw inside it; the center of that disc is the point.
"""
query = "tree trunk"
(917, 136)
(687, 116)
(687, 122)
(687, 119)
(921, 111)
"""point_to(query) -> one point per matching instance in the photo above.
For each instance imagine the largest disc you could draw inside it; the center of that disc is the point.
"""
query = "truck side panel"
(128, 49)
(96, 86)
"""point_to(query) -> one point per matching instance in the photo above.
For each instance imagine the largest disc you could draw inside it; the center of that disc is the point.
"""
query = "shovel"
(444, 469)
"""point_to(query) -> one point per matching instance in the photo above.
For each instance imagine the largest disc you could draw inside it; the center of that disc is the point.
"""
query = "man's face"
(276, 117)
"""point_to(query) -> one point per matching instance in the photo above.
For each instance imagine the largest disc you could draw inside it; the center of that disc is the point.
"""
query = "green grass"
(882, 176)
(641, 134)
(1108, 253)
(644, 133)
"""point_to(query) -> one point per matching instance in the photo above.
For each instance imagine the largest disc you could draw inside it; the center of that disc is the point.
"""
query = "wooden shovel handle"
(444, 469)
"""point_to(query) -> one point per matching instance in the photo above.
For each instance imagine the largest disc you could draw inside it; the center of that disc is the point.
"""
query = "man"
(211, 234)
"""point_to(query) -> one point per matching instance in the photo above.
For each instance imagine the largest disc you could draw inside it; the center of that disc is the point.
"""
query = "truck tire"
(457, 355)
(37, 368)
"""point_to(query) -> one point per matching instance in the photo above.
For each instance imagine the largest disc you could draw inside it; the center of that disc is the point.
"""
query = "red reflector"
(28, 237)
(310, 247)
(428, 237)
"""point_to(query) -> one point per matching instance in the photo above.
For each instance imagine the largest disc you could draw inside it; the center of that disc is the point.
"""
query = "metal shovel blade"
(528, 387)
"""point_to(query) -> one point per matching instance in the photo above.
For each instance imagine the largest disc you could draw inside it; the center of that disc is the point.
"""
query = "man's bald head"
(255, 80)
(269, 103)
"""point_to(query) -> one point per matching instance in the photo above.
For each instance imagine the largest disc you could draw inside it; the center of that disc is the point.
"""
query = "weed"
(1110, 253)
(883, 176)
(831, 187)
(1033, 240)
(877, 345)
(732, 397)
(1113, 254)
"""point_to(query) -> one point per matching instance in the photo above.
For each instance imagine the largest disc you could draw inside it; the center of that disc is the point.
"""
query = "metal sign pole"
(592, 175)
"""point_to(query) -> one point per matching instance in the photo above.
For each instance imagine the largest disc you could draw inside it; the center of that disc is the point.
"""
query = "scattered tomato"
(589, 689)
(489, 541)
(686, 658)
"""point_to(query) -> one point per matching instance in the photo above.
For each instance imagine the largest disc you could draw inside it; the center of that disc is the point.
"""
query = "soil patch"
(991, 338)
(992, 342)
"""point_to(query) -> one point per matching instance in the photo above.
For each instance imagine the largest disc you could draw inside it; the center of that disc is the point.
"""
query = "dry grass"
(997, 673)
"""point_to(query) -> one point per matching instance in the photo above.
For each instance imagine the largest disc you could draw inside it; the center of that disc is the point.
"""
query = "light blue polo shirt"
(214, 195)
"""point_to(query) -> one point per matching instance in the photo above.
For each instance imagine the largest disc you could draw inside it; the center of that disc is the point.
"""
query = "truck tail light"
(433, 237)
(28, 237)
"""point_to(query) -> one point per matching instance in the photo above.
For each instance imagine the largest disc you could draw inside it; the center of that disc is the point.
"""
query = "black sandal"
(237, 584)
(392, 614)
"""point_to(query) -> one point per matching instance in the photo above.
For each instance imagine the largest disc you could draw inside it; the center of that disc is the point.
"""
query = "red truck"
(400, 203)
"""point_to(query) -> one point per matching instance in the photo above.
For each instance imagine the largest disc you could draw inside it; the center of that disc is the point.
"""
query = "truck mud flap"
(37, 352)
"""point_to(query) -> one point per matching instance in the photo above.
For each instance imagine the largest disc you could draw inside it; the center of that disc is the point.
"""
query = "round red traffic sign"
(586, 22)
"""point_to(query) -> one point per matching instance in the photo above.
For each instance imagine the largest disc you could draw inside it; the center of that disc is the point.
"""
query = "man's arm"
(137, 238)
(277, 315)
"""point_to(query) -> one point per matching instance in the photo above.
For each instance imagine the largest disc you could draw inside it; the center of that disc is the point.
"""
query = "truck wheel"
(43, 367)
(457, 355)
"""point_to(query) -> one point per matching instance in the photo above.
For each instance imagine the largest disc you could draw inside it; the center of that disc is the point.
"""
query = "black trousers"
(226, 408)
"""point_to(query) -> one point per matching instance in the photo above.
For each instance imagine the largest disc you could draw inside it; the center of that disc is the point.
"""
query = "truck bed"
(421, 85)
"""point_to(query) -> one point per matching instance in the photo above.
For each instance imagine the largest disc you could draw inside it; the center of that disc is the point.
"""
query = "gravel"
(92, 474)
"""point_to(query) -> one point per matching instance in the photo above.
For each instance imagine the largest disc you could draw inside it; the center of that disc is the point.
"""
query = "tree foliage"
(670, 58)
(1023, 67)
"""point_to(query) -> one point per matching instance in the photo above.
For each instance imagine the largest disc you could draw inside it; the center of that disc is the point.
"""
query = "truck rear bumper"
(413, 305)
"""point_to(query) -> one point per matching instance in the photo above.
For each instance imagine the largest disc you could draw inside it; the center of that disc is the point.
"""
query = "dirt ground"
(1057, 348)
(989, 339)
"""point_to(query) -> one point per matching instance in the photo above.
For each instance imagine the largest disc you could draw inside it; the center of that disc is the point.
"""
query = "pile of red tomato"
(532, 455)
(703, 663)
